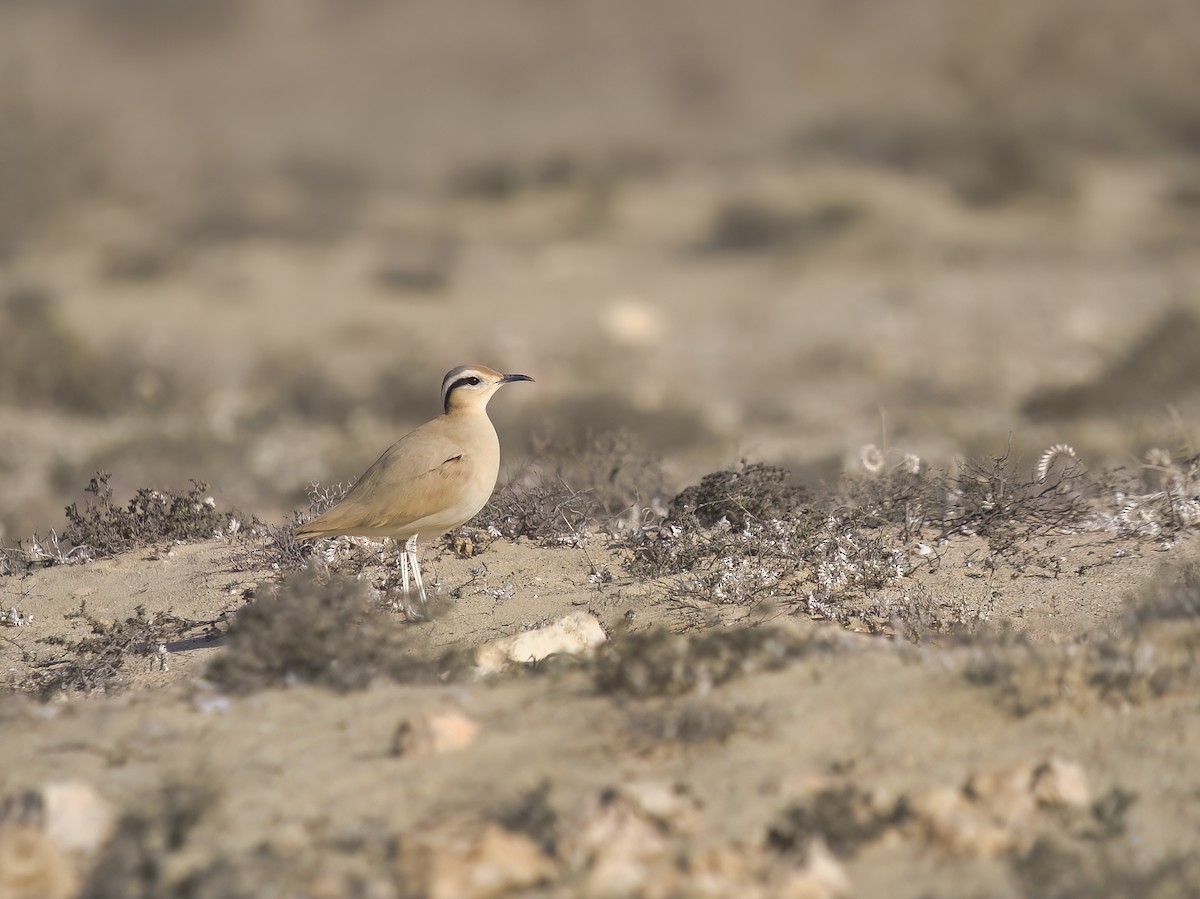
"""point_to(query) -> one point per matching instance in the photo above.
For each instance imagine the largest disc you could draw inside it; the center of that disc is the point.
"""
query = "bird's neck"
(465, 416)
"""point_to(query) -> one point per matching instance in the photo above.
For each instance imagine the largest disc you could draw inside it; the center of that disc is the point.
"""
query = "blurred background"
(242, 240)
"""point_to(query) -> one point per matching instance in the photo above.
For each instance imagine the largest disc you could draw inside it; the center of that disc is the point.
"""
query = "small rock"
(952, 821)
(613, 846)
(821, 877)
(666, 805)
(719, 873)
(433, 733)
(574, 634)
(77, 818)
(1005, 794)
(1059, 783)
(494, 862)
(33, 867)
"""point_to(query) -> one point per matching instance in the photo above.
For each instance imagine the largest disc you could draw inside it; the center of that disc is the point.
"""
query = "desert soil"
(238, 271)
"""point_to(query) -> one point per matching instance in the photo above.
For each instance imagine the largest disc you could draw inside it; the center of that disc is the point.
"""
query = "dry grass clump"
(320, 628)
(503, 179)
(694, 721)
(1153, 652)
(571, 485)
(281, 551)
(532, 814)
(744, 537)
(549, 513)
(102, 528)
(136, 862)
(1158, 645)
(846, 818)
(98, 662)
(1023, 676)
(742, 226)
(1054, 869)
(658, 663)
(752, 492)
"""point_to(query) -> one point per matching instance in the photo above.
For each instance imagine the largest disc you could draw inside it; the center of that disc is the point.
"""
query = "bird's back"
(430, 481)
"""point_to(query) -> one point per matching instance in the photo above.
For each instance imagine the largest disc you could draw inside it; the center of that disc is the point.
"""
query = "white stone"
(77, 818)
(574, 634)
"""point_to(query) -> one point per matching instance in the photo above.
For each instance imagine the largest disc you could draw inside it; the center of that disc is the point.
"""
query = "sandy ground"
(713, 236)
(308, 774)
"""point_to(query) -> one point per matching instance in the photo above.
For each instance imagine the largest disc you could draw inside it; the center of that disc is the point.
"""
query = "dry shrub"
(745, 537)
(547, 513)
(321, 628)
(990, 499)
(1055, 869)
(658, 663)
(753, 492)
(1154, 652)
(905, 494)
(1023, 676)
(1157, 647)
(692, 722)
(135, 863)
(571, 484)
(151, 516)
(846, 817)
(532, 814)
(741, 226)
(98, 662)
(765, 541)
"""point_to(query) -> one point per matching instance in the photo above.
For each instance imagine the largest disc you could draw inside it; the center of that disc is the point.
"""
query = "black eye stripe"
(465, 381)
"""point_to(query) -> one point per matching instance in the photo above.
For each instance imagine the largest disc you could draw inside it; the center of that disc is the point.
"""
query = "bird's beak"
(508, 379)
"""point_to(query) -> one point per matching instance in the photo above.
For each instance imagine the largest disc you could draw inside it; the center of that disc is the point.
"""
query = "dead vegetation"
(103, 528)
(659, 663)
(322, 628)
(1060, 869)
(100, 661)
(845, 818)
(747, 539)
(1152, 653)
(151, 516)
(688, 723)
(743, 226)
(136, 862)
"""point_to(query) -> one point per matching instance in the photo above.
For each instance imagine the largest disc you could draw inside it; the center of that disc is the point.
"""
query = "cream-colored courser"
(430, 481)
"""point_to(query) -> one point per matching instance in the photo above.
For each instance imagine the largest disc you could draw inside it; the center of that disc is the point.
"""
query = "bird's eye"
(473, 381)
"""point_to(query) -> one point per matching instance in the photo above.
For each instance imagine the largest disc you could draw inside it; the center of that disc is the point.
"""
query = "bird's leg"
(410, 549)
(404, 572)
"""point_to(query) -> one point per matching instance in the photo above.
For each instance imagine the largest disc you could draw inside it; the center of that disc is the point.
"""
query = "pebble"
(573, 634)
(433, 733)
(493, 862)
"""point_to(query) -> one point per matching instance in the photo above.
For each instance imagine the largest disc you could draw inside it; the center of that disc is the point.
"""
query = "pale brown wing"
(419, 476)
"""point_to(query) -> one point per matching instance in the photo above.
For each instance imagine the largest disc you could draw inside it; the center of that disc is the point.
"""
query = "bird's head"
(471, 386)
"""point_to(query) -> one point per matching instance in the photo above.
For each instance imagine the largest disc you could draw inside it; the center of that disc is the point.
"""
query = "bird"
(431, 480)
